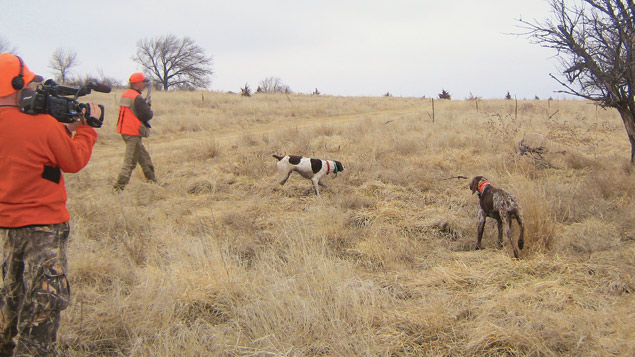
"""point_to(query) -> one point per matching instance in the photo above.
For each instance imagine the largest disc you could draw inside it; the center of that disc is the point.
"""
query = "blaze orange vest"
(128, 122)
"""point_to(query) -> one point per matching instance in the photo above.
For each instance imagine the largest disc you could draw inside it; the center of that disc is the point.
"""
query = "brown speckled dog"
(500, 205)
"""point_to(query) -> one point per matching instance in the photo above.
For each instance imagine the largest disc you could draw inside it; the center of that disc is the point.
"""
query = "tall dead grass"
(219, 259)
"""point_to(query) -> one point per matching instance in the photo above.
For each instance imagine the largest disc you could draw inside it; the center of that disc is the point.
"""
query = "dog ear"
(474, 184)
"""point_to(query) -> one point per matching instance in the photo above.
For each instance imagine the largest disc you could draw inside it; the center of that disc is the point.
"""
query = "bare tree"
(62, 61)
(595, 41)
(5, 46)
(273, 85)
(174, 62)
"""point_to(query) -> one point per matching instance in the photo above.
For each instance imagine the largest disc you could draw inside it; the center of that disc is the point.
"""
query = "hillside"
(217, 258)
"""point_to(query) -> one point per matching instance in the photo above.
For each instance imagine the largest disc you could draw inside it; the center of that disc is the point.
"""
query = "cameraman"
(133, 124)
(34, 228)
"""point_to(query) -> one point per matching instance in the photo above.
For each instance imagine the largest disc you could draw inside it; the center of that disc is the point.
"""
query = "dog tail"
(278, 157)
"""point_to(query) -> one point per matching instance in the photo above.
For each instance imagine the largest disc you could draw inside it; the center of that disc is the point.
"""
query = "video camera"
(49, 98)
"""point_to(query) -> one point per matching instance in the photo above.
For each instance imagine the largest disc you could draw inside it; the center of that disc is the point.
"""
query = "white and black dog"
(312, 169)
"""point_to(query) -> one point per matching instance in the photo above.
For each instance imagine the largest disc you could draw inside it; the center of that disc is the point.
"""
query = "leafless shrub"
(502, 128)
(273, 85)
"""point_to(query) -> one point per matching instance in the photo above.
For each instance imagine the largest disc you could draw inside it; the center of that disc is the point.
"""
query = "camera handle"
(92, 121)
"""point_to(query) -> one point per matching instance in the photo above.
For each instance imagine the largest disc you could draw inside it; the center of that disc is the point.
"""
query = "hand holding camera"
(90, 114)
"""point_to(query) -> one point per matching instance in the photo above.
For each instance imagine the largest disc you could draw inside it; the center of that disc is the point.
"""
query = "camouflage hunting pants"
(135, 153)
(34, 289)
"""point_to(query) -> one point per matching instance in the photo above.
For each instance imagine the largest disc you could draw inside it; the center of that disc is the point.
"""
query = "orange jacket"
(33, 147)
(128, 122)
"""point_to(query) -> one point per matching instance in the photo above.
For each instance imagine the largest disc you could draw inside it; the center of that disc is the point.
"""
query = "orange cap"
(10, 66)
(137, 77)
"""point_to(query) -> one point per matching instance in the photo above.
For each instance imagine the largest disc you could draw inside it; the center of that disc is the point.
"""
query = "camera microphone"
(101, 88)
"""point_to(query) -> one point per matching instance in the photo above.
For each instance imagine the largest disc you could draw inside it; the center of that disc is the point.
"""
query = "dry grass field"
(218, 259)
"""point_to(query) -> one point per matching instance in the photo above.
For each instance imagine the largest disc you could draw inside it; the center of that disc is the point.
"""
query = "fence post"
(432, 110)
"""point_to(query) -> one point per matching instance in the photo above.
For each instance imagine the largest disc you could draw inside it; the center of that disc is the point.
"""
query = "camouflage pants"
(135, 153)
(34, 289)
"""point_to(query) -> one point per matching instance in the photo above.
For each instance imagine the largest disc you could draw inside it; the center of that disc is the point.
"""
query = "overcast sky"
(410, 48)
